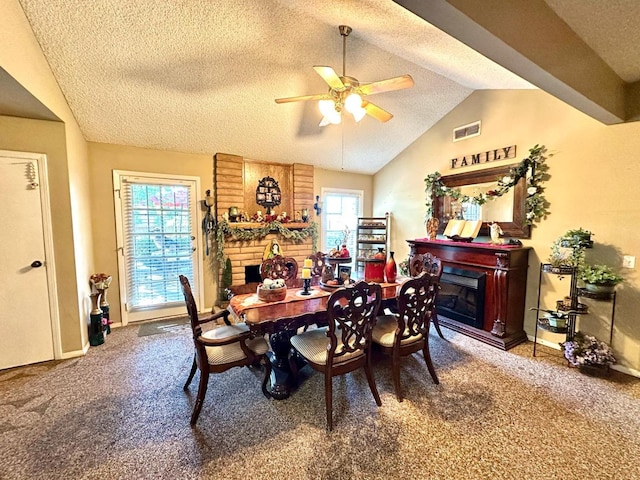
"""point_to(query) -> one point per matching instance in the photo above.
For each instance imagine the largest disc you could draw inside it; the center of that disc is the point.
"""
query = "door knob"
(36, 264)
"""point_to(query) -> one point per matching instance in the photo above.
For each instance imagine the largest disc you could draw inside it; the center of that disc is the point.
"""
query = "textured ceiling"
(201, 76)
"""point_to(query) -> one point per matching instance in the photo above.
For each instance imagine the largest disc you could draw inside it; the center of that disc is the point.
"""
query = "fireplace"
(461, 296)
(492, 276)
(252, 273)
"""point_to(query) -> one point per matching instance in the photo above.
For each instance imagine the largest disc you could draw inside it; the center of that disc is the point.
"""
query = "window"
(156, 241)
(471, 211)
(341, 209)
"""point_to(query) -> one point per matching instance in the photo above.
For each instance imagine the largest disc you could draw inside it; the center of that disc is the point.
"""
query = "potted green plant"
(563, 259)
(577, 238)
(600, 278)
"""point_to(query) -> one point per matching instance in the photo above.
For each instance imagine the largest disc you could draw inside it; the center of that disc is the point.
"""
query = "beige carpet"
(120, 413)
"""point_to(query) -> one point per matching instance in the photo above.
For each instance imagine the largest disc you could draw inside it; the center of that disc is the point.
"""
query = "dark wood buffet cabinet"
(495, 274)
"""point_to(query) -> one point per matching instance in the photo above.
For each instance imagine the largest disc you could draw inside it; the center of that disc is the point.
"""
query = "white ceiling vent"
(466, 131)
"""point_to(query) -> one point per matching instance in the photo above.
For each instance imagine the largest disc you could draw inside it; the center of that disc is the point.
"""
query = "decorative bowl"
(271, 294)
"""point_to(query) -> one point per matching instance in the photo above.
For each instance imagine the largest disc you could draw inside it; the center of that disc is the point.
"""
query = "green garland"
(224, 230)
(535, 203)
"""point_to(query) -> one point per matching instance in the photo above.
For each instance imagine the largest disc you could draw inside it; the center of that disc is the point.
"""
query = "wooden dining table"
(282, 319)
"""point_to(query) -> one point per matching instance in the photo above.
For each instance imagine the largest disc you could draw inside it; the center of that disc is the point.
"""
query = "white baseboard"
(75, 353)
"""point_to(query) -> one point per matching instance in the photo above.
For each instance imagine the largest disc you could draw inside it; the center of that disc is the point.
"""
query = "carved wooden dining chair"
(431, 264)
(407, 331)
(344, 345)
(221, 348)
(279, 267)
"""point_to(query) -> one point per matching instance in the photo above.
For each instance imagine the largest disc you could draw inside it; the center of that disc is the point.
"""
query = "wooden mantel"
(251, 225)
(505, 290)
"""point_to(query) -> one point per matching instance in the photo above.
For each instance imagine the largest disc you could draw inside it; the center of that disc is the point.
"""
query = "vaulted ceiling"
(202, 76)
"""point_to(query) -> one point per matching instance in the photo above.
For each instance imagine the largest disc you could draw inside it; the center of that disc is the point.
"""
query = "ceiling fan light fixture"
(327, 107)
(324, 122)
(359, 114)
(346, 92)
(353, 102)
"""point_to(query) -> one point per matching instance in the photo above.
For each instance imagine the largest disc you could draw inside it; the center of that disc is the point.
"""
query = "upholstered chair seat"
(313, 344)
(385, 332)
(232, 352)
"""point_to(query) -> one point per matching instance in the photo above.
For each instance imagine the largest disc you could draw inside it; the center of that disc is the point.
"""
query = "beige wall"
(105, 158)
(22, 58)
(594, 184)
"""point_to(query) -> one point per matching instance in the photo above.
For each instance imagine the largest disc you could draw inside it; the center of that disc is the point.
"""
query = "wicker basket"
(272, 294)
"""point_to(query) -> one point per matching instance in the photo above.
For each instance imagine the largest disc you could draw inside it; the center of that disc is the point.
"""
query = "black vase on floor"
(96, 335)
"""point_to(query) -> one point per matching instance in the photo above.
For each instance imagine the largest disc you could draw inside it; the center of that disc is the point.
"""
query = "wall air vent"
(466, 131)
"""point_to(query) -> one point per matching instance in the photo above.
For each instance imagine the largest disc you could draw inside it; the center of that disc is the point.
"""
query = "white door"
(26, 334)
(157, 225)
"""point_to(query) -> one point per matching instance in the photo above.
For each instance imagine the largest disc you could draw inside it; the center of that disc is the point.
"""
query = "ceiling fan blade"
(376, 112)
(319, 96)
(330, 76)
(396, 83)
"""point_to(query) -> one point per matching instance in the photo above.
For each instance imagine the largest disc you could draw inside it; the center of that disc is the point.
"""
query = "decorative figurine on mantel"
(495, 231)
(432, 228)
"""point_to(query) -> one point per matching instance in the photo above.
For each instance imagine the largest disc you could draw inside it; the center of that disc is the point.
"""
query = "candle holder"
(305, 287)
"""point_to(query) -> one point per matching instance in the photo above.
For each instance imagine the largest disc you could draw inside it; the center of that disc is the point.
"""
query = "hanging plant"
(224, 230)
(533, 168)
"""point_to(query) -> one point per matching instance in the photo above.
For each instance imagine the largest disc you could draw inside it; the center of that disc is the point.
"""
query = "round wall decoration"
(268, 193)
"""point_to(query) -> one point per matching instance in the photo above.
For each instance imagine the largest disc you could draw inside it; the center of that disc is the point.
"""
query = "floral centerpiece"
(100, 281)
(533, 168)
(586, 350)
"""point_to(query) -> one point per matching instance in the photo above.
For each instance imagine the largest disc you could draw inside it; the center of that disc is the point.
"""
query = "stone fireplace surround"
(230, 174)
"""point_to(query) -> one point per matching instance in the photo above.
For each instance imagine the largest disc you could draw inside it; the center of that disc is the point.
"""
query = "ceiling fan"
(348, 94)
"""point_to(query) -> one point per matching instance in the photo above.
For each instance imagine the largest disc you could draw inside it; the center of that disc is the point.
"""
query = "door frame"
(50, 265)
(198, 289)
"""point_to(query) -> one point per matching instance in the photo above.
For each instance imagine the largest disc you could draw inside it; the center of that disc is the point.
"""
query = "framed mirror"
(509, 210)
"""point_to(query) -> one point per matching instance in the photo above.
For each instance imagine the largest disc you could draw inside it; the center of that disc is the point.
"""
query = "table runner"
(250, 300)
(239, 303)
